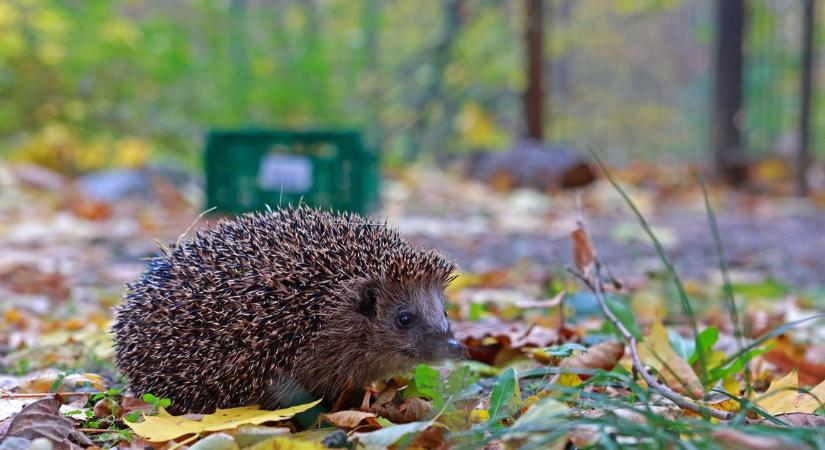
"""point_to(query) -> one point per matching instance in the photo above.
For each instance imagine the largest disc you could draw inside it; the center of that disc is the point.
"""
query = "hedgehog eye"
(404, 319)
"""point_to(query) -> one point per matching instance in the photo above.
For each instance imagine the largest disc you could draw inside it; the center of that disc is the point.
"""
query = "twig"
(680, 400)
(11, 395)
(97, 430)
(660, 250)
(596, 286)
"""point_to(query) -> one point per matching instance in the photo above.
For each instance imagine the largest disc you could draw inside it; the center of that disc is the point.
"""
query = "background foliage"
(128, 80)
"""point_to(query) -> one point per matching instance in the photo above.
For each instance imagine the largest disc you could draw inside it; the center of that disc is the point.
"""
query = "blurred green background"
(87, 84)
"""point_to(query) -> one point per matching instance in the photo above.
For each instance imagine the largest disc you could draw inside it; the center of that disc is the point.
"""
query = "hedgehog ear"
(367, 298)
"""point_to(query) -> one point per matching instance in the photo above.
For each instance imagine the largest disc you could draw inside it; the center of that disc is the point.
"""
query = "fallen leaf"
(808, 361)
(656, 352)
(385, 437)
(45, 381)
(783, 397)
(165, 427)
(737, 439)
(506, 395)
(583, 252)
(541, 418)
(799, 420)
(509, 335)
(603, 356)
(432, 437)
(286, 443)
(42, 419)
(347, 419)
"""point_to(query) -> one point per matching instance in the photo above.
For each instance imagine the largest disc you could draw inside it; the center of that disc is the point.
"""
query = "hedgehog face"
(409, 322)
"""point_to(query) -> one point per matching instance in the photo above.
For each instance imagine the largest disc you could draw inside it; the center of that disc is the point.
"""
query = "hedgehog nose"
(455, 348)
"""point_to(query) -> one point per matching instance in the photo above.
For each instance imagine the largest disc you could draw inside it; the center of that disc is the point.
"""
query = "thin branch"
(680, 400)
(596, 286)
(6, 395)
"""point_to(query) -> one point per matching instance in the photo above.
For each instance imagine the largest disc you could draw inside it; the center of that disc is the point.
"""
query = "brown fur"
(281, 307)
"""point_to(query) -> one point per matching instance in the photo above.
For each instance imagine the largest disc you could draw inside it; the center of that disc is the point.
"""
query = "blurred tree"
(806, 82)
(534, 95)
(729, 154)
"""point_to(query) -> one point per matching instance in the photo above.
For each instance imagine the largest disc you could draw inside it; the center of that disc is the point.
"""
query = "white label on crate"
(285, 173)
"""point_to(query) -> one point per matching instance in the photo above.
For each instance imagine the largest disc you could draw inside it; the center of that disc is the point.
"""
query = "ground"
(65, 257)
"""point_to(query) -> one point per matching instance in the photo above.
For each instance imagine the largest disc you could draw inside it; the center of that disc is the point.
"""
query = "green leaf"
(704, 340)
(477, 311)
(564, 350)
(427, 384)
(738, 364)
(505, 394)
(459, 379)
(768, 289)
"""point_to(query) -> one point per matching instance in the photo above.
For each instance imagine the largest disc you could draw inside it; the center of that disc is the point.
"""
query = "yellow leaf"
(569, 380)
(284, 443)
(656, 352)
(165, 427)
(783, 397)
(732, 385)
(479, 415)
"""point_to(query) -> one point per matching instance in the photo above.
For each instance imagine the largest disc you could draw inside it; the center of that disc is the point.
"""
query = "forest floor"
(65, 257)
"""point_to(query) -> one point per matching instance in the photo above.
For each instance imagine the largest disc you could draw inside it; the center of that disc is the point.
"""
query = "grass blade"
(739, 328)
(660, 250)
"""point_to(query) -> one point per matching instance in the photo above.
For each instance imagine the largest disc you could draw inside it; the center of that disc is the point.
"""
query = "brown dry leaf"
(130, 404)
(782, 397)
(798, 420)
(348, 419)
(411, 410)
(807, 360)
(41, 419)
(740, 440)
(657, 353)
(583, 251)
(604, 356)
(102, 408)
(494, 342)
(509, 335)
(432, 437)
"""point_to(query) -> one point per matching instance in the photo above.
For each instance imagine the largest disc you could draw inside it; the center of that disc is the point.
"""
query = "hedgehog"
(280, 307)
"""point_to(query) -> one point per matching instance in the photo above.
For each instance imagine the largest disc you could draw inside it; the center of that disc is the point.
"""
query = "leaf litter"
(546, 369)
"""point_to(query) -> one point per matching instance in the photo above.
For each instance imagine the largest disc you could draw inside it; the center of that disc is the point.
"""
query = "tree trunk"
(806, 82)
(534, 96)
(729, 154)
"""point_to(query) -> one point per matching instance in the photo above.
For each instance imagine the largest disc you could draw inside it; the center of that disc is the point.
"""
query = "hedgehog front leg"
(284, 391)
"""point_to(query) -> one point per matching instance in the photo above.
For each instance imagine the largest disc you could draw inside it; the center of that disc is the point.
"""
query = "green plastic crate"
(249, 170)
